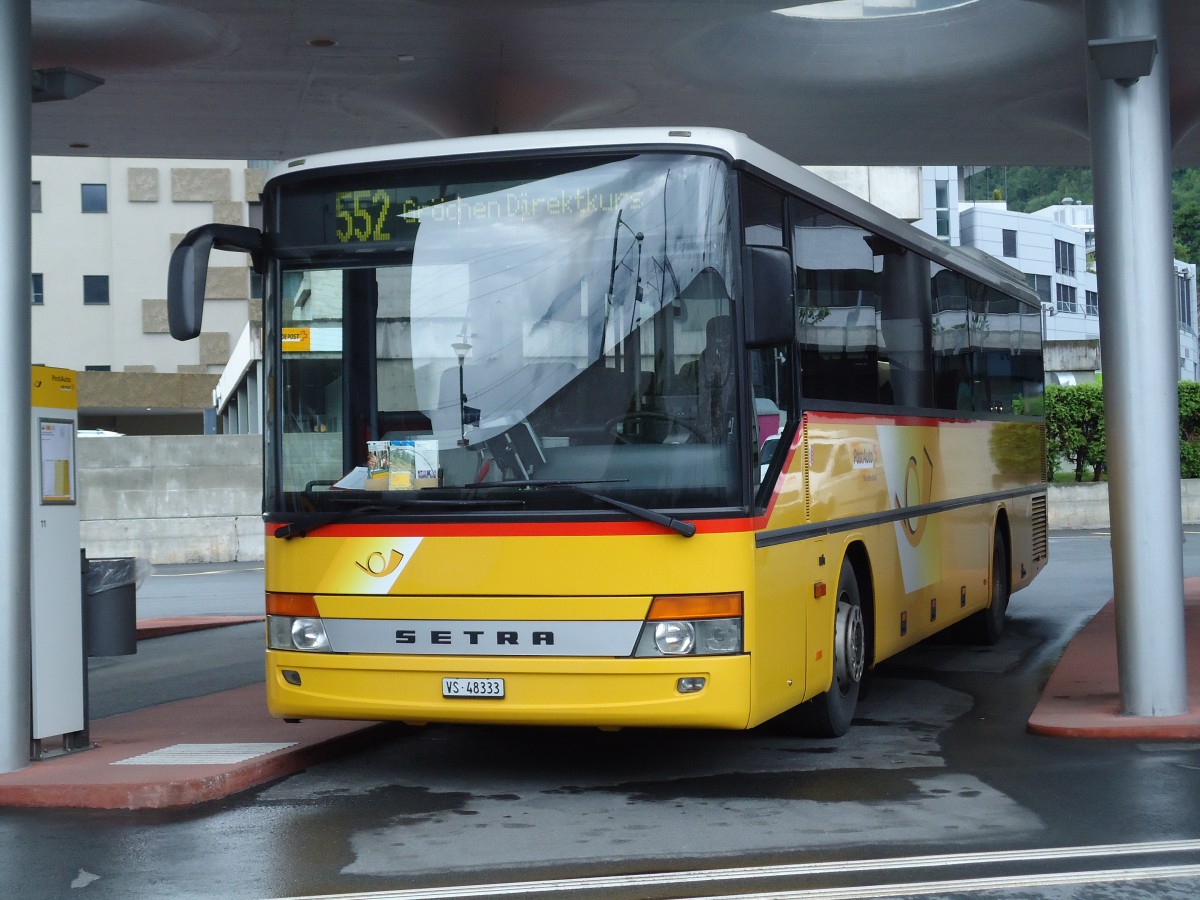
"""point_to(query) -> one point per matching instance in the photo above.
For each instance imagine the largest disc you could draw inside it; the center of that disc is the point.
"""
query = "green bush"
(1075, 429)
(1189, 459)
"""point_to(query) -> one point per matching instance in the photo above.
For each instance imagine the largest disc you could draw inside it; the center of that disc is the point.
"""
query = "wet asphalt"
(938, 762)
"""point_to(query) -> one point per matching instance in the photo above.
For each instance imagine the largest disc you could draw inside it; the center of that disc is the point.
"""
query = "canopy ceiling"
(850, 82)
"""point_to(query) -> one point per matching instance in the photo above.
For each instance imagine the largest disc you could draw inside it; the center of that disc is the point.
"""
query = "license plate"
(488, 688)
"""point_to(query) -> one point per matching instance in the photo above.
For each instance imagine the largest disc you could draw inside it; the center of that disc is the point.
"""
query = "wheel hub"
(850, 644)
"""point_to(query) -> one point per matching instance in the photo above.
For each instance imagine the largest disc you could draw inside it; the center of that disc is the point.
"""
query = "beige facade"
(101, 309)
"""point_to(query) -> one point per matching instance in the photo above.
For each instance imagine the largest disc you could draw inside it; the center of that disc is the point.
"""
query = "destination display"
(382, 214)
(365, 209)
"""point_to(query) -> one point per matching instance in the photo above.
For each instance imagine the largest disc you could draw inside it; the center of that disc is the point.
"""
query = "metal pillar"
(15, 99)
(1128, 87)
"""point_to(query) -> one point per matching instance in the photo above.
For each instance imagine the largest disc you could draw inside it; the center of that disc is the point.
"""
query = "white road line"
(805, 869)
(971, 885)
(212, 572)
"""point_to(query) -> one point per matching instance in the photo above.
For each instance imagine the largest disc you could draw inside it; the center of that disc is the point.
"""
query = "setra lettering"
(474, 638)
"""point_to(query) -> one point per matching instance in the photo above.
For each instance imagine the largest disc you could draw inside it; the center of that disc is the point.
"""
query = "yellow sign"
(297, 340)
(54, 388)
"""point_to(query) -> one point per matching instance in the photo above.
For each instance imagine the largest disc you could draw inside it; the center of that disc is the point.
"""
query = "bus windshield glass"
(525, 326)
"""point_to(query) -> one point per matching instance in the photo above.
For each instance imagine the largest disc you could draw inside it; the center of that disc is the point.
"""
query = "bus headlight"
(692, 625)
(699, 637)
(719, 636)
(297, 633)
(674, 638)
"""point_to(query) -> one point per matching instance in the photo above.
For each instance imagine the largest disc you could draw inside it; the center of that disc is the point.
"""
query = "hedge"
(1075, 429)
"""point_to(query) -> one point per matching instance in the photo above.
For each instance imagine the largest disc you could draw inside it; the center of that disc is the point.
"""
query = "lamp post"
(461, 349)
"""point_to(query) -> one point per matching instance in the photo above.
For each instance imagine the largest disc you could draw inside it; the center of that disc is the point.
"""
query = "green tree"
(1075, 427)
(1189, 429)
(1187, 231)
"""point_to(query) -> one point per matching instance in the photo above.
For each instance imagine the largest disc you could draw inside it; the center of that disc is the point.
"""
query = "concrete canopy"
(841, 82)
(849, 82)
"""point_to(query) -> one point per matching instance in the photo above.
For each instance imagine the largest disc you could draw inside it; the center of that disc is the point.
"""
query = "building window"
(95, 290)
(1040, 284)
(941, 190)
(37, 289)
(1066, 299)
(95, 198)
(35, 196)
(1064, 257)
(97, 368)
(1009, 236)
(1091, 303)
(1183, 293)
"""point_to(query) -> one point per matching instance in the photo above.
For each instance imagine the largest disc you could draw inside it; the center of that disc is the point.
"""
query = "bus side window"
(838, 308)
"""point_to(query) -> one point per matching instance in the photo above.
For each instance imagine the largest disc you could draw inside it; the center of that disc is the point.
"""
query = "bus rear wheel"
(830, 714)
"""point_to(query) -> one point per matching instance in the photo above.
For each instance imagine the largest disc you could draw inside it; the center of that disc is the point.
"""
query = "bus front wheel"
(830, 713)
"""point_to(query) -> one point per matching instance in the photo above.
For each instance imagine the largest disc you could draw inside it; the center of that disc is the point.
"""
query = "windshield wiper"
(313, 521)
(687, 529)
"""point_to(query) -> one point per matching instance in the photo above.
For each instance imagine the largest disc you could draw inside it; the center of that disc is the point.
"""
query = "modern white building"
(1055, 249)
(102, 235)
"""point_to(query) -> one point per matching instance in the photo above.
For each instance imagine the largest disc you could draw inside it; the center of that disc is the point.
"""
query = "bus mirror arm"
(769, 288)
(188, 272)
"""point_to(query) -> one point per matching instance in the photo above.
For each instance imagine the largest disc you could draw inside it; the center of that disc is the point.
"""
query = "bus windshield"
(532, 323)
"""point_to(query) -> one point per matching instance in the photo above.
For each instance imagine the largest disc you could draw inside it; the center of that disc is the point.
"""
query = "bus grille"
(804, 458)
(1041, 550)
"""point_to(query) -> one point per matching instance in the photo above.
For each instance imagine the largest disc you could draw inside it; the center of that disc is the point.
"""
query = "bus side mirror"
(769, 280)
(188, 272)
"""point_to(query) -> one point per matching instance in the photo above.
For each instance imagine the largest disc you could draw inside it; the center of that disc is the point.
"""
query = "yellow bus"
(637, 427)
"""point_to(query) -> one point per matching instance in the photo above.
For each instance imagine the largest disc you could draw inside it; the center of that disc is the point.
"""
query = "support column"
(15, 99)
(1128, 87)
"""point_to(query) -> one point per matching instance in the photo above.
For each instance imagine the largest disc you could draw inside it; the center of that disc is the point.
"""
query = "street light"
(461, 349)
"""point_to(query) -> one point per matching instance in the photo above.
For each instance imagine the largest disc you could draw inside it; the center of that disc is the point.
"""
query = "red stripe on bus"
(525, 529)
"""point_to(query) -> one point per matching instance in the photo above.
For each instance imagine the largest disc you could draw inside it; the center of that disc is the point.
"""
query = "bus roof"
(733, 144)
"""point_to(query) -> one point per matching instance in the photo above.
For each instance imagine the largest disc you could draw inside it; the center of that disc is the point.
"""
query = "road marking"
(794, 870)
(203, 754)
(212, 572)
(971, 885)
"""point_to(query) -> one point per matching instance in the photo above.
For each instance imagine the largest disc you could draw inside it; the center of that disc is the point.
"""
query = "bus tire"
(829, 715)
(986, 626)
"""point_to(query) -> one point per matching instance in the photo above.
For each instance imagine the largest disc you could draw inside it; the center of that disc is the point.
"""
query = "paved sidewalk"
(1082, 697)
(181, 754)
(167, 625)
(208, 748)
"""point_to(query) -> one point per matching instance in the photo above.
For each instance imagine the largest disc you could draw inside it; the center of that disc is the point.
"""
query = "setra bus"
(635, 427)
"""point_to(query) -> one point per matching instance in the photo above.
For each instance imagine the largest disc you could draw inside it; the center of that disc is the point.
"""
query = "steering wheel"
(621, 431)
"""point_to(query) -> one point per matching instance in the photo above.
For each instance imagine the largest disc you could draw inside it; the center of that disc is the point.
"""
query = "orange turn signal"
(695, 606)
(291, 605)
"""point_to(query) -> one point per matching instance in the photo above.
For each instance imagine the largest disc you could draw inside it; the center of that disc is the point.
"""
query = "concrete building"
(1055, 249)
(102, 234)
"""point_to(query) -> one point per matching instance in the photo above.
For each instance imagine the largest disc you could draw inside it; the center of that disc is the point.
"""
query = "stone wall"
(171, 499)
(1086, 505)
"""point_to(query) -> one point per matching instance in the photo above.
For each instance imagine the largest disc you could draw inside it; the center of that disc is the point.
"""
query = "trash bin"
(110, 603)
